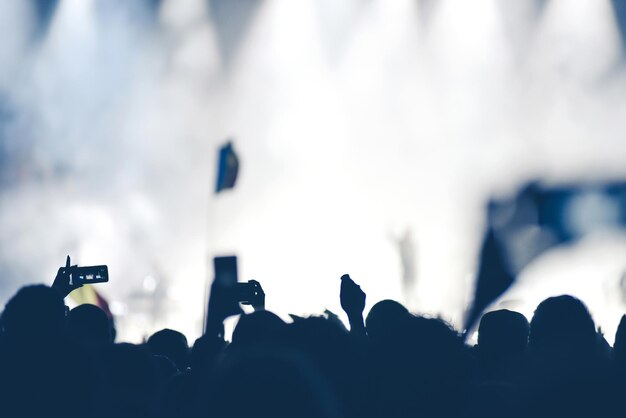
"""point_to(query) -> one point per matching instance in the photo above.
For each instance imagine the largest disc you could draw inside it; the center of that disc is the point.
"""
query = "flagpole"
(227, 171)
(210, 242)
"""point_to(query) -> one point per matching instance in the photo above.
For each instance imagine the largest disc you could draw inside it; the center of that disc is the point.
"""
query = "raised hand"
(258, 302)
(351, 296)
(353, 303)
(63, 282)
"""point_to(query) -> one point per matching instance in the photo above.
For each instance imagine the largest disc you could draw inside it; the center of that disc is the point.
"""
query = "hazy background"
(357, 122)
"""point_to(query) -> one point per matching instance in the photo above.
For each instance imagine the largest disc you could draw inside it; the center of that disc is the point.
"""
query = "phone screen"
(225, 270)
(91, 274)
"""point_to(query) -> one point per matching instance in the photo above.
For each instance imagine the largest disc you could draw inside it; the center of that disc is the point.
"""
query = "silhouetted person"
(256, 328)
(33, 317)
(566, 375)
(503, 331)
(502, 342)
(273, 383)
(395, 365)
(133, 378)
(171, 344)
(382, 317)
(339, 357)
(422, 370)
(89, 326)
(562, 322)
(39, 367)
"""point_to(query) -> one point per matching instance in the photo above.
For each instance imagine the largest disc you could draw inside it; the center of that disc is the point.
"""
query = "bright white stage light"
(417, 120)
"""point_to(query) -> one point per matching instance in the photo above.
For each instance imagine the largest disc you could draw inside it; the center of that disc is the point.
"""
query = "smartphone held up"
(71, 277)
(226, 276)
(78, 276)
(90, 274)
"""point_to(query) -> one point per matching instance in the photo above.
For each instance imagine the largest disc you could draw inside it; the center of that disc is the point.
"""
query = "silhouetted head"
(171, 344)
(257, 327)
(133, 380)
(43, 374)
(274, 383)
(503, 332)
(421, 369)
(567, 370)
(382, 317)
(89, 326)
(326, 343)
(335, 354)
(35, 314)
(560, 322)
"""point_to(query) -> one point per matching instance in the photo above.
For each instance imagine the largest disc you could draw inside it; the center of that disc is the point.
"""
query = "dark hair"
(562, 320)
(35, 313)
(257, 327)
(503, 331)
(171, 344)
(88, 324)
(381, 317)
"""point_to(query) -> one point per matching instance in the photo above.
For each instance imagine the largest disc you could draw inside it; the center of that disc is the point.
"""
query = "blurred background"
(371, 135)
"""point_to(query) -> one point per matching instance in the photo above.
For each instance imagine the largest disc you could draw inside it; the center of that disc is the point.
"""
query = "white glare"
(357, 126)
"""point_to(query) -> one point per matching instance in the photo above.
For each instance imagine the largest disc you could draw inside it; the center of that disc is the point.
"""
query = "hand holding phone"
(70, 277)
(63, 282)
(223, 300)
(251, 293)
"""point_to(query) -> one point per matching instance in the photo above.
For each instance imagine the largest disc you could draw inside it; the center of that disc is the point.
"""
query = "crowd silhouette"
(56, 362)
